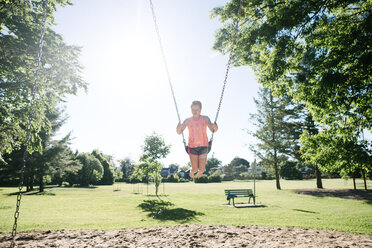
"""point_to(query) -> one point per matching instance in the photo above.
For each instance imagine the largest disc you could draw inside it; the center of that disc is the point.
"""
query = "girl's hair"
(198, 103)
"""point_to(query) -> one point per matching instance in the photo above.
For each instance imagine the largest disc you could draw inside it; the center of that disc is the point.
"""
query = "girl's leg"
(202, 162)
(194, 165)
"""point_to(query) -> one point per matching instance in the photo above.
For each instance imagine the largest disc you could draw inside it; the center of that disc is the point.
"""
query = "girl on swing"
(198, 140)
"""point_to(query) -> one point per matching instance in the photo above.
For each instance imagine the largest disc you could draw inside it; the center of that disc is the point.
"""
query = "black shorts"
(198, 151)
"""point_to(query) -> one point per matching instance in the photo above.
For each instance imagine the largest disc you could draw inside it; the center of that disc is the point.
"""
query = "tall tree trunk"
(318, 175)
(354, 181)
(41, 184)
(31, 178)
(364, 178)
(276, 170)
(27, 183)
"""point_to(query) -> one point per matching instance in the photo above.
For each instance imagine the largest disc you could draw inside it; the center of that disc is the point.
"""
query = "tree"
(289, 170)
(91, 171)
(239, 161)
(59, 75)
(127, 167)
(67, 166)
(317, 52)
(212, 162)
(118, 174)
(311, 129)
(153, 150)
(108, 171)
(55, 159)
(146, 169)
(272, 130)
(334, 154)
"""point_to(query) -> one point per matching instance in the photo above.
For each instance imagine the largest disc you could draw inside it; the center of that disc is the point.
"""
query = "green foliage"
(148, 169)
(203, 179)
(214, 179)
(91, 171)
(212, 162)
(108, 172)
(217, 173)
(59, 75)
(273, 133)
(334, 154)
(316, 52)
(239, 161)
(172, 179)
(289, 170)
(118, 175)
(154, 148)
(127, 167)
(245, 175)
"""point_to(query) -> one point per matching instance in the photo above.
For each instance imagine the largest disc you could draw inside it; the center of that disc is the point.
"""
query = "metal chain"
(165, 64)
(228, 63)
(29, 127)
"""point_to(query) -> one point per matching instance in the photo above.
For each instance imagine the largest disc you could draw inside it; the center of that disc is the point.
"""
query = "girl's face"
(195, 110)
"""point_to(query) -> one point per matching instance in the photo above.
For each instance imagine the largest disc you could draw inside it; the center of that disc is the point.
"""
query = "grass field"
(115, 207)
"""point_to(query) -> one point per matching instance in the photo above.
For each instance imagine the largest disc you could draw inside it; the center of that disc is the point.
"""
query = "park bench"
(233, 193)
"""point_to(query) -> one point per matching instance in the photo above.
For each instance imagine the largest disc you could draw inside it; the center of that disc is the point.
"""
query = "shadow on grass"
(361, 195)
(160, 210)
(33, 193)
(305, 211)
(84, 187)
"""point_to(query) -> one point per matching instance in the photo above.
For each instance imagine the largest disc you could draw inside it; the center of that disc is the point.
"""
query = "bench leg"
(249, 200)
(233, 201)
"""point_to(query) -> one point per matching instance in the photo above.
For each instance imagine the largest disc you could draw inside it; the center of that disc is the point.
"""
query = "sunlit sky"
(129, 96)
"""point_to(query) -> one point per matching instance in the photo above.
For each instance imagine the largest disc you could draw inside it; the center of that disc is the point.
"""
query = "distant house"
(259, 169)
(212, 170)
(306, 171)
(182, 174)
(166, 172)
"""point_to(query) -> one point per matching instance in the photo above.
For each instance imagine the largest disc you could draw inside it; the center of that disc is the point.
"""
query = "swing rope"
(29, 126)
(166, 65)
(228, 64)
(227, 68)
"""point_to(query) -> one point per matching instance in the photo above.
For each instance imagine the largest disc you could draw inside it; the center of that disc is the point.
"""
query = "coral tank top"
(197, 132)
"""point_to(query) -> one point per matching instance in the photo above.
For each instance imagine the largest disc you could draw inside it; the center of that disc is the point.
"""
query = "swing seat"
(209, 147)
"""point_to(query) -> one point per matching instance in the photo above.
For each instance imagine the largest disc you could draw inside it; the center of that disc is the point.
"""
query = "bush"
(203, 179)
(245, 175)
(92, 170)
(171, 179)
(227, 178)
(263, 175)
(288, 170)
(133, 180)
(214, 179)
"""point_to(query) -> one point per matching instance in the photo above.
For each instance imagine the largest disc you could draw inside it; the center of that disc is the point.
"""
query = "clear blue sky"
(129, 96)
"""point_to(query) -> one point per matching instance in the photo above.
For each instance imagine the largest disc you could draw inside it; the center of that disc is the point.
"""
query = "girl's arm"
(213, 127)
(181, 127)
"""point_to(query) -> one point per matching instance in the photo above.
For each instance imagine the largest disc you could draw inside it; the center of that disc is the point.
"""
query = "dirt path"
(191, 236)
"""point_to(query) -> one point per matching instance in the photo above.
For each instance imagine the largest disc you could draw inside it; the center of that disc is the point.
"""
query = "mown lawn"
(115, 207)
